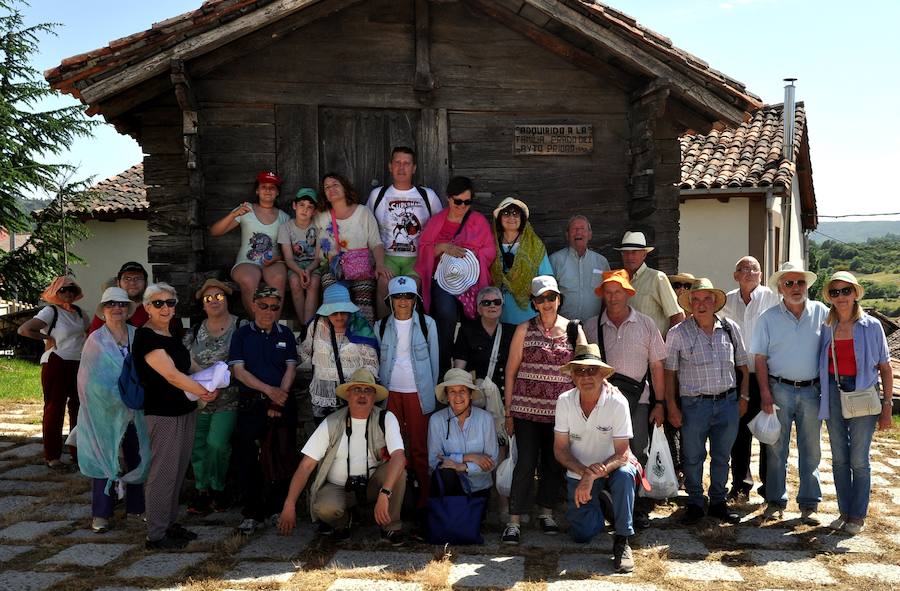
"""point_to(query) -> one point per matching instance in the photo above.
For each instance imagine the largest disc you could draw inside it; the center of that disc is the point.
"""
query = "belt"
(796, 383)
(719, 396)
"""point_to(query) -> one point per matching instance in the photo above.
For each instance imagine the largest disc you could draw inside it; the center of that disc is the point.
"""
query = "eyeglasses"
(273, 307)
(115, 304)
(131, 278)
(510, 213)
(403, 296)
(792, 282)
(461, 201)
(158, 304)
(842, 291)
(590, 370)
(547, 297)
(213, 296)
(69, 289)
(748, 270)
(496, 302)
(679, 285)
(361, 390)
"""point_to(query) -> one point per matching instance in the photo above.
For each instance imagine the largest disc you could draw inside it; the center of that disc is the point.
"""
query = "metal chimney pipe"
(789, 113)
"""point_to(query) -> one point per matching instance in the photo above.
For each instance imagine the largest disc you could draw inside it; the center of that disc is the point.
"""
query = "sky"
(844, 56)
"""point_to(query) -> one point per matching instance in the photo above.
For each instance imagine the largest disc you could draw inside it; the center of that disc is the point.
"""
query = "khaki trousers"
(333, 501)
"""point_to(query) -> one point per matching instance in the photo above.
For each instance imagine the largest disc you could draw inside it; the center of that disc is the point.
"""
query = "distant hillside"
(854, 231)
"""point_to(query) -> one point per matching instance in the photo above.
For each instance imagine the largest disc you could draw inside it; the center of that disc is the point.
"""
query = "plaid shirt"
(705, 363)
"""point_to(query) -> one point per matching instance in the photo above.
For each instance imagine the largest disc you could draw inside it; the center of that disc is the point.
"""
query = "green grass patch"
(882, 277)
(20, 380)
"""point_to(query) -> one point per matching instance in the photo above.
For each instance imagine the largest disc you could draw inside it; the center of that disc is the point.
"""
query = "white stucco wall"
(110, 245)
(713, 236)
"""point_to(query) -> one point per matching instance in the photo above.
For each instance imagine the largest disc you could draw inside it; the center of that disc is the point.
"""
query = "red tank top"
(846, 358)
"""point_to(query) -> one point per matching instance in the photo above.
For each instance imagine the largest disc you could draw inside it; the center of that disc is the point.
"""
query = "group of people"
(440, 341)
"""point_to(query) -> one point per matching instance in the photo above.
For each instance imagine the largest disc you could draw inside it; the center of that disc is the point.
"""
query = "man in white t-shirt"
(402, 210)
(592, 433)
(359, 452)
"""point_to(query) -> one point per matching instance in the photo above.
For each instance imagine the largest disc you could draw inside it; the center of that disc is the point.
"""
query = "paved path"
(46, 543)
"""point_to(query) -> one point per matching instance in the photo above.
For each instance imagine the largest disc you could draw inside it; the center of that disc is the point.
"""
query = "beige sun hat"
(682, 278)
(362, 377)
(511, 201)
(701, 284)
(847, 277)
(588, 354)
(457, 377)
(212, 282)
(634, 241)
(791, 267)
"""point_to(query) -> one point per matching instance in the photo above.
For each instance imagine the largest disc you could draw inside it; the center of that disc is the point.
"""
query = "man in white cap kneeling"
(592, 433)
(361, 461)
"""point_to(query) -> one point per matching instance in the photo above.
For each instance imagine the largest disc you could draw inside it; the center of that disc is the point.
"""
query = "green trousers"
(212, 449)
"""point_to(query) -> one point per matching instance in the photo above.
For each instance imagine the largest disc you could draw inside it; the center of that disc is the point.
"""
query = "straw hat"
(634, 241)
(212, 283)
(681, 278)
(701, 284)
(457, 377)
(510, 201)
(847, 277)
(791, 267)
(362, 377)
(587, 355)
(619, 276)
(336, 298)
(457, 274)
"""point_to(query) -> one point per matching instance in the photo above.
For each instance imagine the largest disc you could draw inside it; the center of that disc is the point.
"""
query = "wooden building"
(569, 104)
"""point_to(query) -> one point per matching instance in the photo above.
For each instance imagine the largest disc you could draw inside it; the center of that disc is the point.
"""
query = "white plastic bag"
(505, 469)
(660, 470)
(766, 427)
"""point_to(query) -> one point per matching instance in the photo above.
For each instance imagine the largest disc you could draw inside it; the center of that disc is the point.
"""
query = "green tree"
(28, 137)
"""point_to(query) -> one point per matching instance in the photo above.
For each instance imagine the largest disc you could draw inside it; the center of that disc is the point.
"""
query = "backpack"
(419, 188)
(382, 324)
(52, 323)
(131, 390)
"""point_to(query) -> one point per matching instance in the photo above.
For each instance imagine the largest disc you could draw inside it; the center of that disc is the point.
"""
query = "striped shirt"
(705, 363)
(654, 296)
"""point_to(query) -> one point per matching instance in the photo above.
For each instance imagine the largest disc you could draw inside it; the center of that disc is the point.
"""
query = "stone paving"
(46, 545)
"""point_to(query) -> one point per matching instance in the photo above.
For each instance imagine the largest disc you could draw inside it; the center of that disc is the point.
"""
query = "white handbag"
(492, 401)
(858, 403)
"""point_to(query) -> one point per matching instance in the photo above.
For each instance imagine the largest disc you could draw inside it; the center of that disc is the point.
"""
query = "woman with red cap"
(259, 257)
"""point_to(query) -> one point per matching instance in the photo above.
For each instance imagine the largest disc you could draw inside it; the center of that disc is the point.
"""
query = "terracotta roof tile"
(747, 156)
(122, 194)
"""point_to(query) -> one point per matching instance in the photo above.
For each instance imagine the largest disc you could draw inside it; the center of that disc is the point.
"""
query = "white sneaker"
(248, 526)
(100, 525)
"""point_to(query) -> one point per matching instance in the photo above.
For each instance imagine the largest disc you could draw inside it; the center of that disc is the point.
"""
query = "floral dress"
(206, 350)
(539, 381)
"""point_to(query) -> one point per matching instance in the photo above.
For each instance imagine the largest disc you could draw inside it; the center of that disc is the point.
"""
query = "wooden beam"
(184, 94)
(556, 45)
(424, 81)
(687, 89)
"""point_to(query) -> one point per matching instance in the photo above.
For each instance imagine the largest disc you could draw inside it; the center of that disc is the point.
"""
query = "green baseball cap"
(307, 193)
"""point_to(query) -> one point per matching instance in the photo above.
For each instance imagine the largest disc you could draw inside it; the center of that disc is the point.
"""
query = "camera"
(358, 485)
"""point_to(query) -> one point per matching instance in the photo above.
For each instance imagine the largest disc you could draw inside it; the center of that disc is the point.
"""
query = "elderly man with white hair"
(578, 270)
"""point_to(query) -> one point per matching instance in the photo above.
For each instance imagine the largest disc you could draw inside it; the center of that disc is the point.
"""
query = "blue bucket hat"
(401, 284)
(336, 299)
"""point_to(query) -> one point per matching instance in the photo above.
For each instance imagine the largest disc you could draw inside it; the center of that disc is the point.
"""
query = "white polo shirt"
(591, 438)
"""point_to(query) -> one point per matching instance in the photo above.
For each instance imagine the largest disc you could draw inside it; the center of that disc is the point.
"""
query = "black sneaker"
(165, 543)
(721, 512)
(511, 535)
(324, 529)
(623, 559)
(177, 531)
(640, 519)
(739, 495)
(393, 537)
(693, 514)
(606, 505)
(548, 525)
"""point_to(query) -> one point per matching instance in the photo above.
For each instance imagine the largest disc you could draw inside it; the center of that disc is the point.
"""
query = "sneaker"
(273, 519)
(773, 512)
(100, 525)
(693, 514)
(640, 519)
(838, 524)
(606, 505)
(248, 526)
(809, 517)
(200, 505)
(623, 560)
(393, 537)
(739, 495)
(134, 516)
(177, 531)
(511, 534)
(323, 529)
(853, 527)
(165, 543)
(548, 525)
(721, 512)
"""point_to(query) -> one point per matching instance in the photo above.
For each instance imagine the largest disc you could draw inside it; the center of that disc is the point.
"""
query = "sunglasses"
(510, 213)
(115, 304)
(842, 291)
(793, 282)
(547, 297)
(219, 297)
(273, 307)
(69, 289)
(590, 370)
(158, 304)
(747, 270)
(679, 285)
(361, 390)
(496, 302)
(461, 201)
(403, 296)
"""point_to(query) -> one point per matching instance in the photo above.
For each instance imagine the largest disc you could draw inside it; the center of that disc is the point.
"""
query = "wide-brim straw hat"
(336, 298)
(847, 277)
(587, 355)
(212, 283)
(457, 377)
(701, 284)
(791, 267)
(634, 241)
(619, 276)
(681, 278)
(511, 201)
(457, 274)
(362, 377)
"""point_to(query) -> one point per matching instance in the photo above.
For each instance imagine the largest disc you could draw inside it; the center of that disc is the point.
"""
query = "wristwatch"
(386, 492)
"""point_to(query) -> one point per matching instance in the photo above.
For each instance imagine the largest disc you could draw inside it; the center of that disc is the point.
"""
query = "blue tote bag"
(454, 518)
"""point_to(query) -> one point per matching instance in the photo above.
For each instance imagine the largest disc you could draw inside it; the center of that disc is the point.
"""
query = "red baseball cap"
(267, 176)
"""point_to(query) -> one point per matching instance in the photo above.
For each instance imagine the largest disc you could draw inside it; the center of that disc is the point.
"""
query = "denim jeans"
(445, 311)
(586, 521)
(850, 442)
(800, 406)
(717, 421)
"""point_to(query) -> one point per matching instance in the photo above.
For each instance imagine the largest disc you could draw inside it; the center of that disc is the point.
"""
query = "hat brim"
(598, 291)
(212, 283)
(776, 278)
(440, 391)
(329, 309)
(644, 248)
(466, 273)
(684, 300)
(381, 393)
(607, 369)
(681, 278)
(506, 203)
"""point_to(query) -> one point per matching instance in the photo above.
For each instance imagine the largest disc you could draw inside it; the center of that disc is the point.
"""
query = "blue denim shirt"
(870, 349)
(477, 436)
(424, 358)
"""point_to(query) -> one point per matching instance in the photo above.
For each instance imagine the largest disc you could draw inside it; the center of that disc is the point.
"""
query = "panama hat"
(847, 277)
(634, 241)
(336, 298)
(510, 201)
(701, 284)
(212, 283)
(681, 278)
(588, 354)
(362, 377)
(619, 276)
(457, 377)
(457, 274)
(791, 267)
